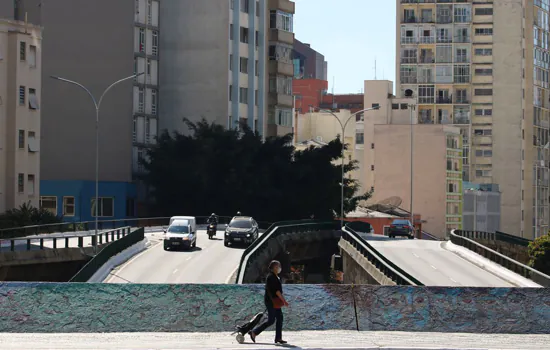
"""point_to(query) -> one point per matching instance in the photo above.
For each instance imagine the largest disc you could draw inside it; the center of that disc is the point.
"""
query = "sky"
(351, 34)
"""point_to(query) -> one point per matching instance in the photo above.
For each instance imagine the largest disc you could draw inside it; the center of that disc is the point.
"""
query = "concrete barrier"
(92, 308)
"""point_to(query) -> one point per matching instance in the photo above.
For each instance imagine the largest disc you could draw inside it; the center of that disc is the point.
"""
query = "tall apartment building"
(238, 70)
(308, 63)
(85, 43)
(20, 95)
(484, 66)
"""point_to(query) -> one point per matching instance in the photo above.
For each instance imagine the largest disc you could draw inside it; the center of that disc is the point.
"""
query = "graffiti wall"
(66, 308)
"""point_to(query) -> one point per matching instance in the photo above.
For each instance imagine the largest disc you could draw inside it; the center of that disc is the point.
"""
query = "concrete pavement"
(209, 262)
(433, 265)
(298, 340)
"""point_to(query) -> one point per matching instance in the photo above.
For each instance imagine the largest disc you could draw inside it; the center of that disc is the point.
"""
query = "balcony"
(283, 5)
(462, 59)
(281, 36)
(462, 101)
(409, 20)
(462, 120)
(427, 59)
(461, 39)
(444, 39)
(444, 100)
(409, 80)
(409, 60)
(281, 68)
(425, 80)
(427, 39)
(278, 130)
(461, 79)
(409, 40)
(418, 1)
(443, 20)
(282, 100)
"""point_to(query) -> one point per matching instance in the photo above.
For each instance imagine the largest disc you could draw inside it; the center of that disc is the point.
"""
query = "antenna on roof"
(333, 83)
(375, 69)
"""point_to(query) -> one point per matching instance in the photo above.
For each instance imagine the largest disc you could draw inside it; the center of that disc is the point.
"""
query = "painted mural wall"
(67, 308)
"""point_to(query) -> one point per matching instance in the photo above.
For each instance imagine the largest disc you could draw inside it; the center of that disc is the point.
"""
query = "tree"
(27, 215)
(539, 254)
(224, 171)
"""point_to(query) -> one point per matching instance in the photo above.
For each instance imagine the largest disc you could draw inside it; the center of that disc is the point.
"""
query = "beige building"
(484, 66)
(437, 173)
(317, 128)
(20, 91)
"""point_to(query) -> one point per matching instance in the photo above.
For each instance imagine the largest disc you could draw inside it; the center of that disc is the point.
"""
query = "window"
(280, 52)
(395, 106)
(230, 92)
(404, 106)
(257, 68)
(149, 12)
(21, 183)
(360, 138)
(148, 67)
(134, 132)
(105, 207)
(32, 56)
(484, 153)
(484, 31)
(130, 207)
(243, 65)
(283, 117)
(483, 173)
(155, 45)
(147, 130)
(244, 35)
(33, 142)
(256, 97)
(22, 95)
(49, 203)
(230, 62)
(372, 167)
(243, 95)
(281, 20)
(484, 11)
(141, 40)
(483, 112)
(68, 206)
(154, 99)
(257, 39)
(21, 139)
(375, 105)
(257, 9)
(372, 145)
(483, 132)
(33, 101)
(245, 5)
(141, 100)
(231, 31)
(484, 52)
(484, 71)
(30, 184)
(23, 51)
(483, 92)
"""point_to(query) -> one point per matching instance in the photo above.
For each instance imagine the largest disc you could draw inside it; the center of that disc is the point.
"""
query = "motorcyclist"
(213, 219)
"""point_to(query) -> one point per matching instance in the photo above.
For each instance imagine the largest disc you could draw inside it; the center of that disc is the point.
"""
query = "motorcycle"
(211, 230)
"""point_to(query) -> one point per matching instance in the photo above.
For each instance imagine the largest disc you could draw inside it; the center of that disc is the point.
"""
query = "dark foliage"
(225, 171)
(539, 254)
(27, 215)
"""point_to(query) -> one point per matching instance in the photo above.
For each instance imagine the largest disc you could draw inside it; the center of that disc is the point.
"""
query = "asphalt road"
(209, 262)
(433, 265)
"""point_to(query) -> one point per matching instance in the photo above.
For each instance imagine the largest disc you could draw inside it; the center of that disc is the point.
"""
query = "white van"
(180, 235)
(191, 219)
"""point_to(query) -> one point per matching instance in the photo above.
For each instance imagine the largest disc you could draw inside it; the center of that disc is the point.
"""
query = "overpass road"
(433, 265)
(209, 262)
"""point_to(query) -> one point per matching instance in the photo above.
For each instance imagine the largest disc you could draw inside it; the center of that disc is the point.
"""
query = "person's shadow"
(289, 346)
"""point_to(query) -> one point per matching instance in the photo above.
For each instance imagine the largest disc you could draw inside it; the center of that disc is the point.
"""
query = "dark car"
(401, 228)
(241, 230)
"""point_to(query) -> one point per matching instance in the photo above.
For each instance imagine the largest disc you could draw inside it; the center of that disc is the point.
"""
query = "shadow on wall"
(76, 307)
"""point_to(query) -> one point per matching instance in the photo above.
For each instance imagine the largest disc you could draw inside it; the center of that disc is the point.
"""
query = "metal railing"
(275, 230)
(128, 239)
(494, 237)
(383, 264)
(35, 230)
(511, 264)
(63, 240)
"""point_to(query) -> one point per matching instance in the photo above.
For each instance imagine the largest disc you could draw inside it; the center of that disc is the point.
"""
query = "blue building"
(74, 200)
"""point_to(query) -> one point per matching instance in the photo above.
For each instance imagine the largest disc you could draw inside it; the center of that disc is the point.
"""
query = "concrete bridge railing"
(377, 265)
(461, 238)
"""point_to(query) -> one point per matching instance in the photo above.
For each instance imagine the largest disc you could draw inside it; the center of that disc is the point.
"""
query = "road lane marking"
(452, 279)
(119, 268)
(433, 267)
(228, 280)
(189, 258)
(176, 270)
(415, 255)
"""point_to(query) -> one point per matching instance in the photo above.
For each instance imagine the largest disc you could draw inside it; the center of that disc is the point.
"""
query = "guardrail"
(496, 236)
(62, 227)
(128, 239)
(388, 268)
(105, 236)
(277, 229)
(458, 238)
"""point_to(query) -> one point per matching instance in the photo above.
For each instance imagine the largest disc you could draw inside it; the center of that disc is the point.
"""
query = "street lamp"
(97, 105)
(412, 107)
(343, 126)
